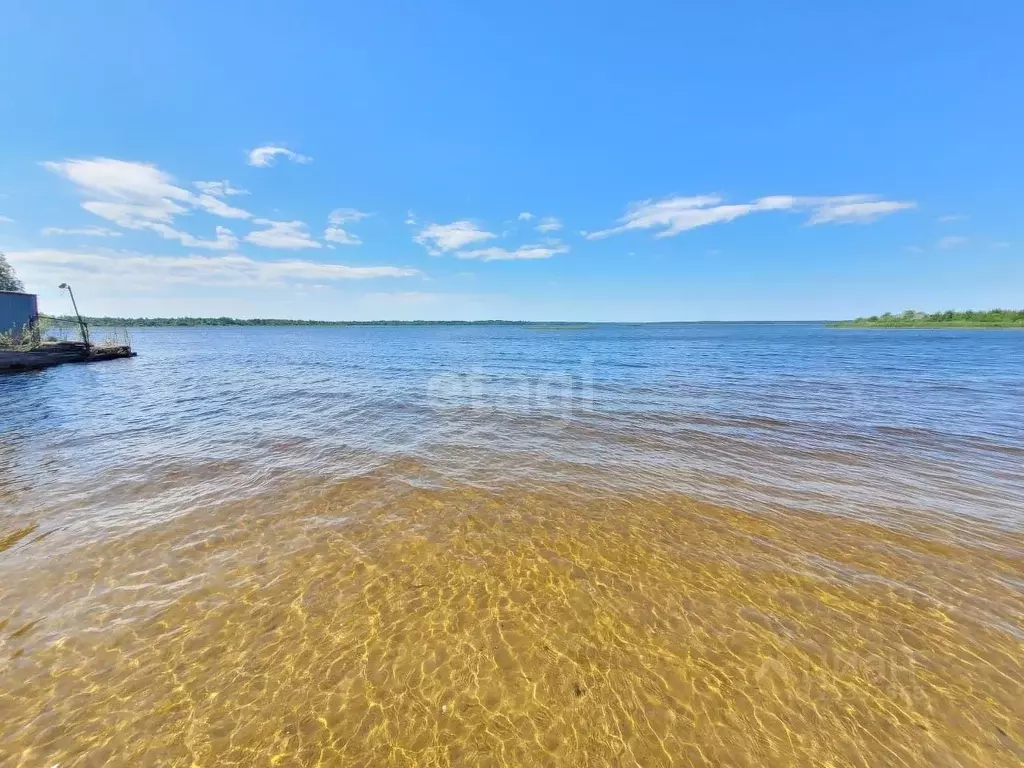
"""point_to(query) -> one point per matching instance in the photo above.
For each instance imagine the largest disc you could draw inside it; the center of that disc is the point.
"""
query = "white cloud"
(782, 202)
(89, 231)
(141, 196)
(521, 253)
(341, 236)
(155, 218)
(525, 216)
(336, 219)
(290, 235)
(135, 215)
(674, 215)
(225, 240)
(951, 241)
(340, 216)
(441, 238)
(218, 207)
(410, 218)
(261, 157)
(6, 220)
(145, 272)
(120, 179)
(218, 188)
(549, 224)
(853, 209)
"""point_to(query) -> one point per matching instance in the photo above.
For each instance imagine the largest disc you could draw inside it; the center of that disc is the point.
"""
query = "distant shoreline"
(1010, 319)
(993, 318)
(230, 322)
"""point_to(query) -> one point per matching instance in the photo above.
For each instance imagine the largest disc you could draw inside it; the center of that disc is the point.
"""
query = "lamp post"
(81, 322)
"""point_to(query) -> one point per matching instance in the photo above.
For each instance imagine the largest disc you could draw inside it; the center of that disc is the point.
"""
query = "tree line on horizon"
(193, 322)
(1001, 318)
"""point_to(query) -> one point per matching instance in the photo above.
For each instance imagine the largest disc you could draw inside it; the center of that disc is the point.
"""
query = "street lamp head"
(63, 286)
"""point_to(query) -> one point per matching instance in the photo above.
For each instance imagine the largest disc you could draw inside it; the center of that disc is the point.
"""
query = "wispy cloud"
(951, 241)
(218, 188)
(90, 231)
(674, 215)
(525, 216)
(288, 235)
(549, 224)
(147, 272)
(262, 157)
(154, 218)
(6, 220)
(120, 179)
(224, 241)
(524, 252)
(853, 209)
(951, 217)
(341, 216)
(141, 196)
(410, 218)
(442, 238)
(341, 236)
(218, 207)
(336, 233)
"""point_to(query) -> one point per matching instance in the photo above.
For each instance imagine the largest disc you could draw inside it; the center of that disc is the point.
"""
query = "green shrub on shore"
(990, 318)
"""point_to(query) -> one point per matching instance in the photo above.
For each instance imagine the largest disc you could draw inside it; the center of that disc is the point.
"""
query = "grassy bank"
(992, 318)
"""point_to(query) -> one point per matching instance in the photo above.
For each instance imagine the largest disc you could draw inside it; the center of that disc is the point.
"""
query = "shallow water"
(616, 545)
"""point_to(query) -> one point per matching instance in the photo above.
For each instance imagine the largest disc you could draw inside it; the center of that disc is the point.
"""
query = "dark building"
(18, 312)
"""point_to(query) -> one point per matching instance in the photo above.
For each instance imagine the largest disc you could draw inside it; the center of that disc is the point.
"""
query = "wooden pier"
(48, 355)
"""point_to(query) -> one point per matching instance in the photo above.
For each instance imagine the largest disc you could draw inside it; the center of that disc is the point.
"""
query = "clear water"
(694, 544)
(860, 422)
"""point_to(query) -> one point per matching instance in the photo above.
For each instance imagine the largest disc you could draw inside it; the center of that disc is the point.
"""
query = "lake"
(741, 544)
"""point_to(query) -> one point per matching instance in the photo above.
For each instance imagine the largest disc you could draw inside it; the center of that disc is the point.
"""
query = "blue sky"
(593, 161)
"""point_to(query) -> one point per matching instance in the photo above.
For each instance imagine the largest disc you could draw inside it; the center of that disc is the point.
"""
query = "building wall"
(17, 310)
